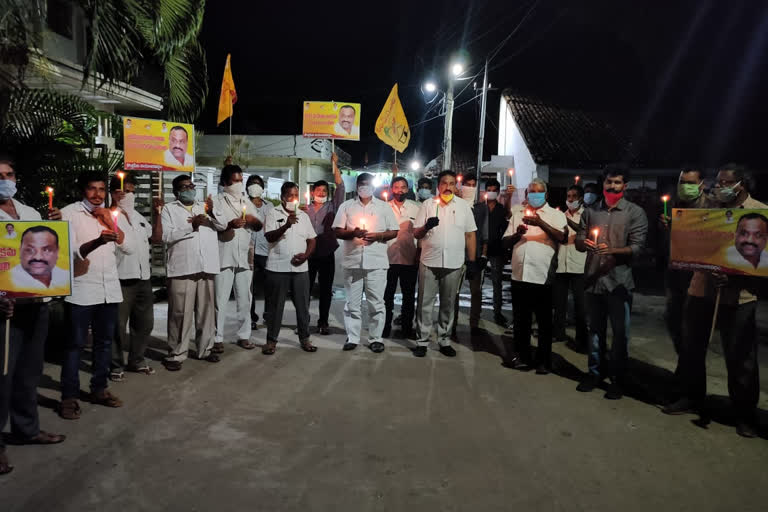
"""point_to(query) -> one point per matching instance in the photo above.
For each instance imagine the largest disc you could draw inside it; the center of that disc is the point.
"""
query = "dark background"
(685, 79)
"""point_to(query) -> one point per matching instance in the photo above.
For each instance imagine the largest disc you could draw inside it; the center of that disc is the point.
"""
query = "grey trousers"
(135, 312)
(277, 286)
(190, 310)
(434, 280)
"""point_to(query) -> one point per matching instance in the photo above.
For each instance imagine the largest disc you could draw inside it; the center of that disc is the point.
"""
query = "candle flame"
(595, 232)
(665, 198)
(459, 177)
(577, 178)
(115, 213)
(511, 172)
(49, 190)
(120, 174)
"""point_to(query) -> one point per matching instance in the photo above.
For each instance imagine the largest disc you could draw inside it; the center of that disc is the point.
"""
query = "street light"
(457, 69)
(430, 87)
(415, 166)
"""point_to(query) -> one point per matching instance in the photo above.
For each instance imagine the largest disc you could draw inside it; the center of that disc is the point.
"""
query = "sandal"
(218, 348)
(172, 366)
(145, 369)
(307, 346)
(269, 348)
(106, 399)
(69, 409)
(117, 376)
(211, 358)
(246, 344)
(5, 466)
(44, 438)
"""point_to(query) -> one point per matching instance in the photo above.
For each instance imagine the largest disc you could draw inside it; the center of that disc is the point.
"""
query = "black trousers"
(738, 332)
(676, 284)
(408, 275)
(565, 282)
(258, 280)
(324, 268)
(529, 299)
(18, 389)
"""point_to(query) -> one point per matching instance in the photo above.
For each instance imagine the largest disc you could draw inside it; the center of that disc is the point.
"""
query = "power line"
(454, 108)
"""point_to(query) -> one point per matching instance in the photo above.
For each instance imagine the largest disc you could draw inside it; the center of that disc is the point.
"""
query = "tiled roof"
(566, 137)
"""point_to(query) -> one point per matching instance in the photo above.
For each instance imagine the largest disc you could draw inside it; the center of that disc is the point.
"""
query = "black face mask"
(399, 197)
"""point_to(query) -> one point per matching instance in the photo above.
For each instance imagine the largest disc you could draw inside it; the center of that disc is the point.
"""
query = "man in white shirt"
(96, 293)
(403, 259)
(232, 209)
(134, 270)
(446, 228)
(10, 232)
(26, 342)
(365, 224)
(570, 274)
(291, 242)
(192, 261)
(259, 245)
(176, 155)
(534, 235)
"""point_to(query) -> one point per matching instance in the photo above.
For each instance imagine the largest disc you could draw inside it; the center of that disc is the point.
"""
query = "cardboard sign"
(724, 240)
(35, 260)
(156, 145)
(331, 120)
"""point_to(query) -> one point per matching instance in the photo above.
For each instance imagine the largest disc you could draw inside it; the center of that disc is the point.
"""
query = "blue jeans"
(616, 307)
(102, 318)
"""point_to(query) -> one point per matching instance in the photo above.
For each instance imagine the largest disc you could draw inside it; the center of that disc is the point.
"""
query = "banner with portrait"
(157, 145)
(331, 120)
(35, 260)
(732, 241)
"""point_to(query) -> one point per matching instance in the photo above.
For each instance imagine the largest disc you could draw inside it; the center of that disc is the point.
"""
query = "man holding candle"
(134, 270)
(322, 263)
(192, 261)
(26, 342)
(255, 188)
(96, 292)
(534, 235)
(403, 263)
(620, 228)
(291, 242)
(446, 228)
(365, 224)
(232, 209)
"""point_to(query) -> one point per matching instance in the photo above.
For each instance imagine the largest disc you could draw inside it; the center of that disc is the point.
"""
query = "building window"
(59, 17)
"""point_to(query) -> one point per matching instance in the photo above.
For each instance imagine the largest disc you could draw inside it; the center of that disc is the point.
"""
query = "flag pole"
(7, 345)
(395, 155)
(230, 130)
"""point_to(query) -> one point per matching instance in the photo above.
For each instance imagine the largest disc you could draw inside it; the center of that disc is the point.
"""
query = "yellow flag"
(228, 94)
(392, 126)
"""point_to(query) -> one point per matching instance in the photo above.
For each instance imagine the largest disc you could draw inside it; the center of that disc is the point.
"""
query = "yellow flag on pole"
(392, 126)
(228, 94)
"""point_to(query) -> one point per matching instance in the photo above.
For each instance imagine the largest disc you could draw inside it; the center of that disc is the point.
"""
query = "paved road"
(357, 431)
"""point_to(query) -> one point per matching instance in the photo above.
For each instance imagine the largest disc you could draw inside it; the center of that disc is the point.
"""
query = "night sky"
(687, 81)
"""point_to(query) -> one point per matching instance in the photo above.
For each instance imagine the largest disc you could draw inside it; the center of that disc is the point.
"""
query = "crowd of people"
(237, 243)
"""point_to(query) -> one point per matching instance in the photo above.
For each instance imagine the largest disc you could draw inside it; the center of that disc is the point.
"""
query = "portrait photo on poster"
(158, 145)
(331, 120)
(35, 259)
(725, 240)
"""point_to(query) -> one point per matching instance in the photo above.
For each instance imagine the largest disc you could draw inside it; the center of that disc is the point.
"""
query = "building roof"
(564, 136)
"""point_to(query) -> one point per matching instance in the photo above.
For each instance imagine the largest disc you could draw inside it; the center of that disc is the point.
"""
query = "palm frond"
(186, 74)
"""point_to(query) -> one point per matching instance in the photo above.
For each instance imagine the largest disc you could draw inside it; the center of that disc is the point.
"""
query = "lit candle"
(528, 213)
(437, 207)
(485, 196)
(308, 194)
(665, 199)
(511, 172)
(595, 232)
(49, 190)
(295, 205)
(115, 214)
(121, 175)
(205, 207)
(244, 208)
(386, 195)
(459, 178)
(362, 223)
(576, 179)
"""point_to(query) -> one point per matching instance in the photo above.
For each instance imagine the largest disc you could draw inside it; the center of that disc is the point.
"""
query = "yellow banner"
(724, 240)
(392, 126)
(35, 259)
(156, 145)
(331, 120)
(228, 96)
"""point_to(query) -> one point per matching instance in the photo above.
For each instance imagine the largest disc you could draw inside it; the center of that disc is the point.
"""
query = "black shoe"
(386, 332)
(399, 319)
(682, 406)
(323, 329)
(349, 346)
(420, 351)
(501, 320)
(517, 363)
(447, 351)
(254, 325)
(746, 429)
(614, 392)
(476, 331)
(542, 369)
(588, 383)
(376, 347)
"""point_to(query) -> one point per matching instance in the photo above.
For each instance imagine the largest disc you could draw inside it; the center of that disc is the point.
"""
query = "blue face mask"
(590, 198)
(187, 196)
(424, 194)
(7, 189)
(537, 199)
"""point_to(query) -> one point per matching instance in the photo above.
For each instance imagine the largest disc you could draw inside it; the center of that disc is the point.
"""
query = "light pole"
(456, 70)
(482, 130)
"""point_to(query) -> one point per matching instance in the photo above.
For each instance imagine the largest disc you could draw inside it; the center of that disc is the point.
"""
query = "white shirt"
(134, 263)
(569, 259)
(375, 217)
(22, 279)
(170, 160)
(444, 246)
(24, 212)
(11, 235)
(734, 257)
(259, 241)
(100, 283)
(188, 252)
(339, 130)
(293, 241)
(402, 250)
(226, 207)
(532, 256)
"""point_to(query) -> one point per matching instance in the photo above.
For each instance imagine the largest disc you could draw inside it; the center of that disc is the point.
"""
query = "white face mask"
(320, 200)
(90, 206)
(491, 196)
(255, 190)
(573, 205)
(235, 189)
(7, 189)
(365, 191)
(128, 202)
(290, 206)
(468, 193)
